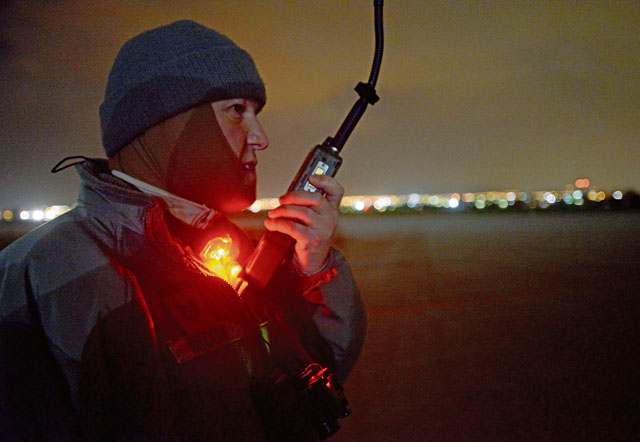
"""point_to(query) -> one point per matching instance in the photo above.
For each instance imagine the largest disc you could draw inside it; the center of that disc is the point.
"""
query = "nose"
(256, 136)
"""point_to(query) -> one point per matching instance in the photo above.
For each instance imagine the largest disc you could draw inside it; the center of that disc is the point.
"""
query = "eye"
(239, 108)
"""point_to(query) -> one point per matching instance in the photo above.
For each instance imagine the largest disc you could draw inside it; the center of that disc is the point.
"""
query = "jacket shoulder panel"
(61, 269)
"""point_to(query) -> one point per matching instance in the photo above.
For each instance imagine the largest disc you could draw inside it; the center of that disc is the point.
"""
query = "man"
(111, 325)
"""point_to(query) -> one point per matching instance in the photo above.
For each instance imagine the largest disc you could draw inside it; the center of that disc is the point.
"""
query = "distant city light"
(413, 200)
(383, 203)
(37, 215)
(549, 197)
(500, 199)
(582, 183)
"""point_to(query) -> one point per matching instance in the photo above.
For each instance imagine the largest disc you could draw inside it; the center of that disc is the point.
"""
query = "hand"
(311, 219)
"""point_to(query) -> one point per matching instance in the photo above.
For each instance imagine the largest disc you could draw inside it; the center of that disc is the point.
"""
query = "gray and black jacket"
(109, 331)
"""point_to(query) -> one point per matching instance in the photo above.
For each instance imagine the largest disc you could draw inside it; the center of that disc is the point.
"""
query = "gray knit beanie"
(168, 70)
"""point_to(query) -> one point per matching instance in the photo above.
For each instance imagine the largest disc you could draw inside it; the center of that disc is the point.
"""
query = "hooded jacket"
(110, 330)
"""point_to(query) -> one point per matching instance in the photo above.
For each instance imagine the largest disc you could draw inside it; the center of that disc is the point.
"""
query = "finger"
(330, 186)
(288, 227)
(299, 213)
(302, 198)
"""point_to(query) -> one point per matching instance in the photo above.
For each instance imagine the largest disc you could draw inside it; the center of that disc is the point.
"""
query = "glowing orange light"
(582, 183)
(220, 255)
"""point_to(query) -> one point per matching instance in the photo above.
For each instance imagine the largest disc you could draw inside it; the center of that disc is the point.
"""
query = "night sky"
(474, 96)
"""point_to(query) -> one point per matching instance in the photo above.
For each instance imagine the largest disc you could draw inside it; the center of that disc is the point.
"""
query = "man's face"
(215, 160)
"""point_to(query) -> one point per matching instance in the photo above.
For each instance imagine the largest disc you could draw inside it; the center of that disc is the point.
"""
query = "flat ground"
(518, 327)
(496, 327)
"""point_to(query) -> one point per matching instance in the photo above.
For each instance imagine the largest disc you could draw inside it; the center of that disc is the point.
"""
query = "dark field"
(496, 327)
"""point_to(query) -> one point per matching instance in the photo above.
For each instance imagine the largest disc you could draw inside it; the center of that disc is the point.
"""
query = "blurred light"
(549, 197)
(382, 203)
(577, 194)
(491, 196)
(37, 215)
(25, 214)
(578, 202)
(503, 204)
(511, 196)
(51, 212)
(468, 197)
(481, 197)
(600, 196)
(434, 200)
(55, 211)
(413, 200)
(359, 205)
(582, 183)
(7, 215)
(617, 195)
(567, 198)
(480, 204)
(453, 203)
(592, 195)
(524, 197)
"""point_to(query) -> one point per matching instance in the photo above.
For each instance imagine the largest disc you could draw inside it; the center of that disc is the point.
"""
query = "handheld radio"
(323, 159)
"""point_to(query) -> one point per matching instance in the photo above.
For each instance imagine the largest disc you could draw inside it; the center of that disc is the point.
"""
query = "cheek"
(236, 137)
(205, 170)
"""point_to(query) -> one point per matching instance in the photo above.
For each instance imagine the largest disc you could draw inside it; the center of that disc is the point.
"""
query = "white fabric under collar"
(190, 213)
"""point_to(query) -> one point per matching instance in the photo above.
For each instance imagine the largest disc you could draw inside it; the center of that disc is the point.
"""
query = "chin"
(235, 205)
